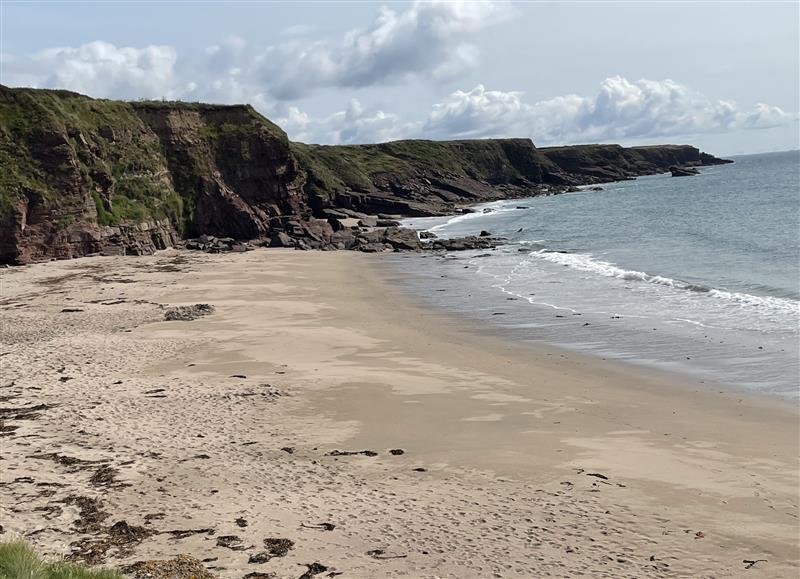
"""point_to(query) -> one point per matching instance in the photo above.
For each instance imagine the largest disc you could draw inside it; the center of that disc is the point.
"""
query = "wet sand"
(518, 460)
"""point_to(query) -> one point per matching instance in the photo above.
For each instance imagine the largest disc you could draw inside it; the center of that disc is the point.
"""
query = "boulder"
(462, 243)
(368, 221)
(683, 171)
(281, 239)
(401, 239)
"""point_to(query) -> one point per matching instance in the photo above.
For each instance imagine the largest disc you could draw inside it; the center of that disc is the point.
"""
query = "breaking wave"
(585, 262)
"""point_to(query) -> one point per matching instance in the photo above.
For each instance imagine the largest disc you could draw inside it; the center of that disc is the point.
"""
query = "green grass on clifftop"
(335, 168)
(19, 561)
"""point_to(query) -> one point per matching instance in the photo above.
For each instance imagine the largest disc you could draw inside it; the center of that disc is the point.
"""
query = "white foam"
(585, 262)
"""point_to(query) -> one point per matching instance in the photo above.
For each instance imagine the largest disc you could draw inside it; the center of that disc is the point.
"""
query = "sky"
(724, 76)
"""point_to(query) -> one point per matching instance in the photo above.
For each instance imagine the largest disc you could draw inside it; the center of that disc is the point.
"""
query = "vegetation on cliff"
(55, 145)
(84, 175)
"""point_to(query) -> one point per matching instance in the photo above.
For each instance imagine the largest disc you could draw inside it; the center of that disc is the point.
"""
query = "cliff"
(82, 176)
(581, 164)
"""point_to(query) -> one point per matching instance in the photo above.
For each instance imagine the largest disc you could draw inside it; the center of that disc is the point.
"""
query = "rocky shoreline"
(89, 176)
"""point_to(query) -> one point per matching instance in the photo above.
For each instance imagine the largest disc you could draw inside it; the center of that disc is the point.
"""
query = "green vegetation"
(58, 147)
(19, 561)
(333, 169)
(55, 145)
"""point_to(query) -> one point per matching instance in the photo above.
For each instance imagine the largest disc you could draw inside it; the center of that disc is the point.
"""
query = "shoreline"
(511, 437)
(477, 283)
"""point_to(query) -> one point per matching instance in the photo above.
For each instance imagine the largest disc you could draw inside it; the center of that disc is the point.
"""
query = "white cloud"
(354, 124)
(97, 68)
(428, 39)
(621, 110)
(425, 40)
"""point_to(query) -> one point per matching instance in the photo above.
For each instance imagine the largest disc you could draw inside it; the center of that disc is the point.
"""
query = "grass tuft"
(18, 560)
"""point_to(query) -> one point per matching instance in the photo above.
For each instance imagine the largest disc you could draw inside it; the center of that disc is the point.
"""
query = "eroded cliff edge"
(80, 176)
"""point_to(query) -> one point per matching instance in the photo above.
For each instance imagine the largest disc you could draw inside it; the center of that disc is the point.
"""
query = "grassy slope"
(337, 168)
(131, 158)
(19, 561)
(99, 142)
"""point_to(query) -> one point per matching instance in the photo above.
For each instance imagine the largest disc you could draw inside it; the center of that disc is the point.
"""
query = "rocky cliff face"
(419, 177)
(82, 176)
(581, 164)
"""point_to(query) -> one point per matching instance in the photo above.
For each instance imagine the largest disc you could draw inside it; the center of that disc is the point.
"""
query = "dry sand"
(518, 461)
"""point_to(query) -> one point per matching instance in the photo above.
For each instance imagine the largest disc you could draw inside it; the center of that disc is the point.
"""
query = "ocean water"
(695, 274)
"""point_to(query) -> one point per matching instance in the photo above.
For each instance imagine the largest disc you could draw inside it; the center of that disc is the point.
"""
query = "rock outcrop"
(683, 171)
(82, 176)
(582, 164)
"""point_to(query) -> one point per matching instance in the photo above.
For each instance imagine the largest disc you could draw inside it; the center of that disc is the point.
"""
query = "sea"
(699, 274)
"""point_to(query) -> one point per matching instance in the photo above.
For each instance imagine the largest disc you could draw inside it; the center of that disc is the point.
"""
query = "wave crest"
(585, 262)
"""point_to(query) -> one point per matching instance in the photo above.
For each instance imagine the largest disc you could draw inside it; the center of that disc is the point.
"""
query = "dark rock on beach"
(463, 243)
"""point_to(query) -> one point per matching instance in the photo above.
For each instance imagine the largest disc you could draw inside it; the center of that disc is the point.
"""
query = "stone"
(683, 171)
(367, 221)
(462, 243)
(401, 239)
(281, 239)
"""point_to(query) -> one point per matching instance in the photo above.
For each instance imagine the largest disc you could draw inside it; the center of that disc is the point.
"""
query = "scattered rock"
(397, 451)
(241, 522)
(462, 243)
(211, 244)
(289, 449)
(484, 233)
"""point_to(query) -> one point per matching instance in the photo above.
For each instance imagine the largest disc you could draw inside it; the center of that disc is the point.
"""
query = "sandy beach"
(484, 458)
